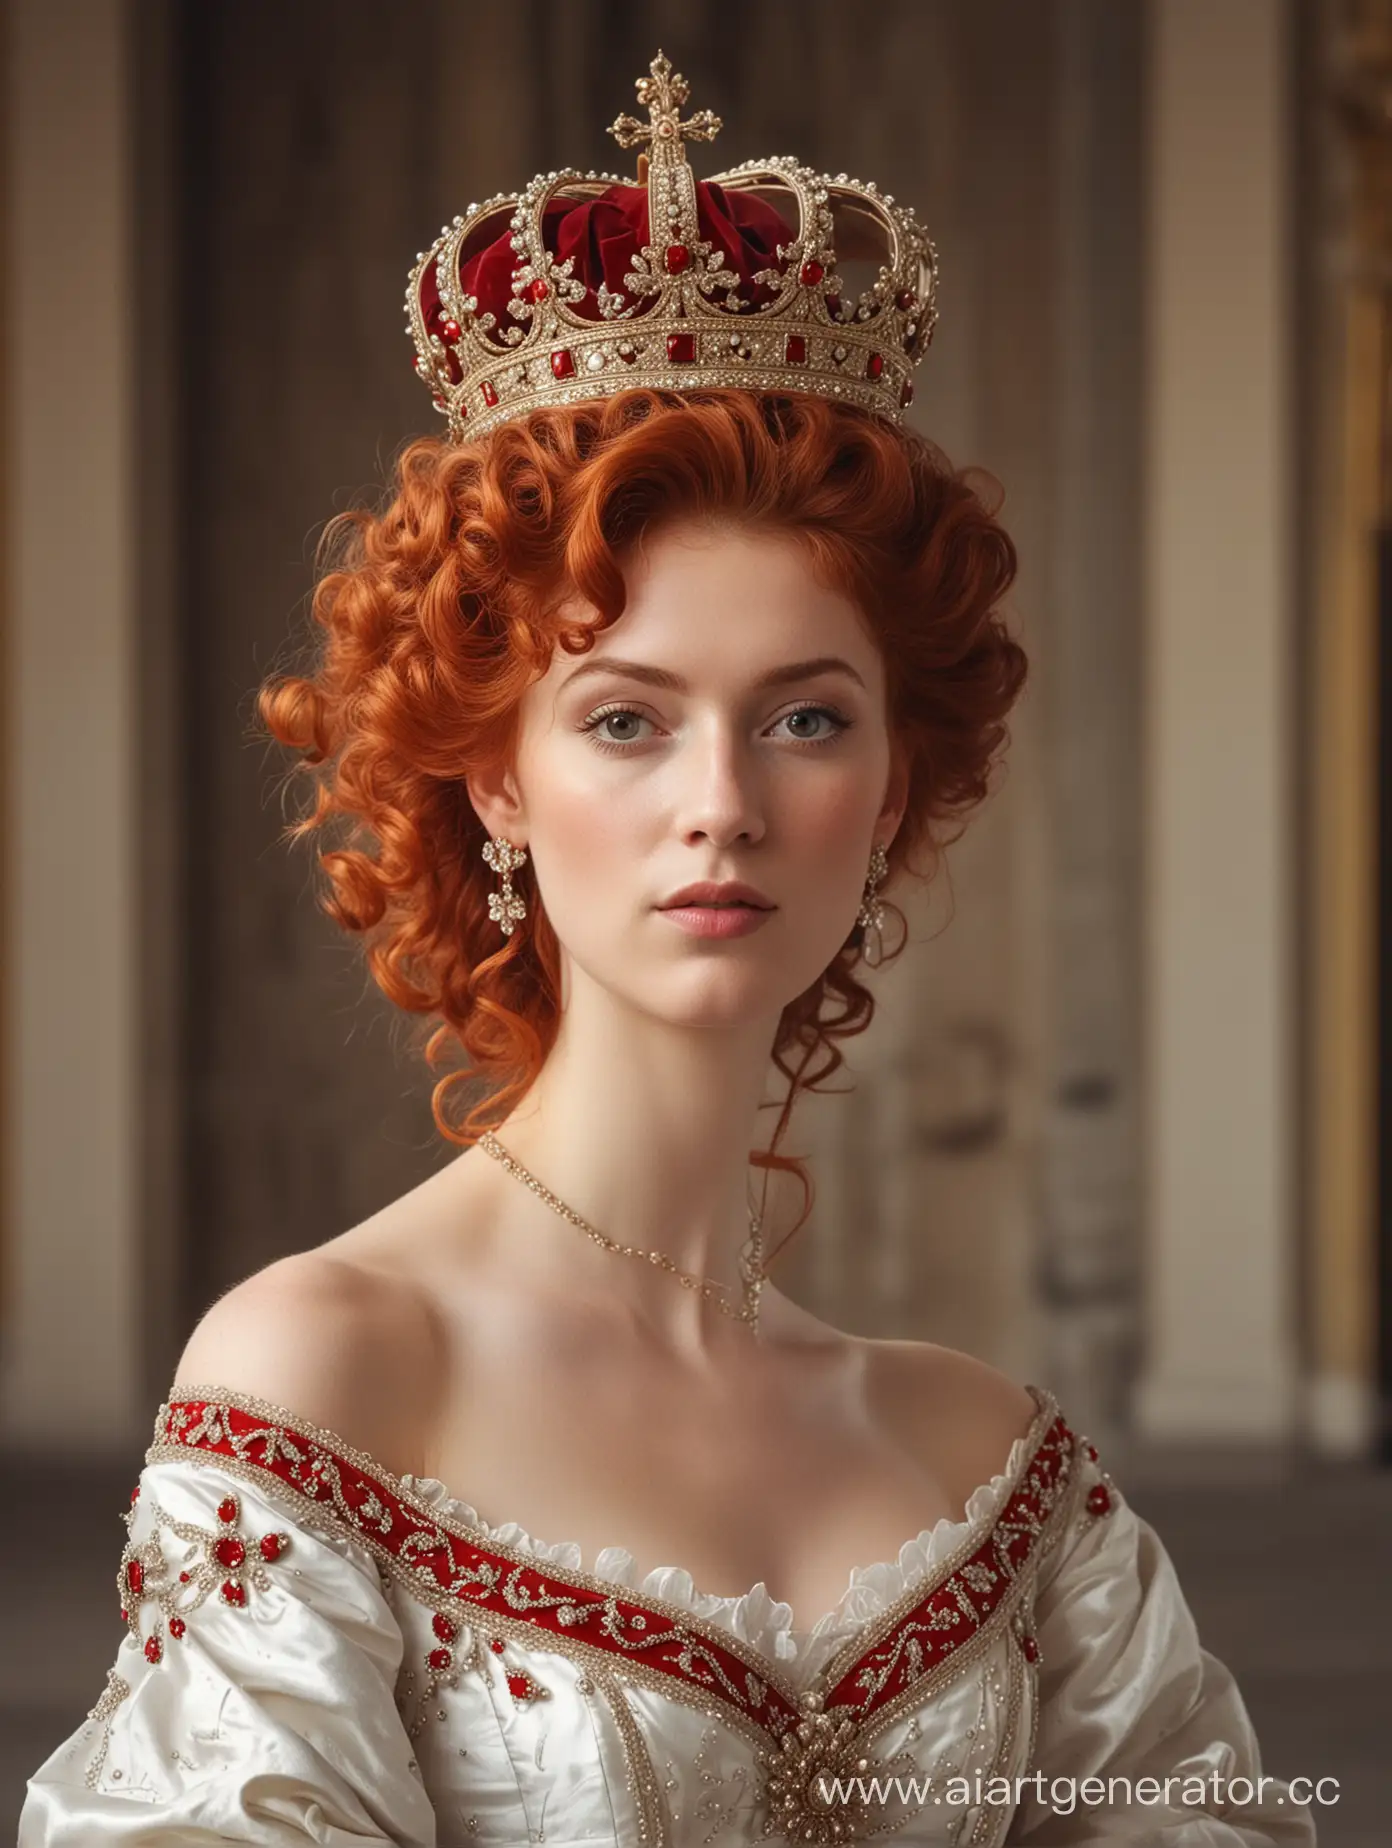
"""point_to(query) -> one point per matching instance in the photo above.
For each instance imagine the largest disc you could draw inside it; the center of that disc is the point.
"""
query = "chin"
(726, 993)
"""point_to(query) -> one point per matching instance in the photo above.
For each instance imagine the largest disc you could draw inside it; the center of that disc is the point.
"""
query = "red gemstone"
(152, 1649)
(497, 1645)
(563, 363)
(232, 1592)
(125, 1614)
(177, 1626)
(874, 366)
(536, 290)
(135, 1492)
(490, 392)
(449, 330)
(678, 256)
(1030, 1648)
(519, 1687)
(811, 273)
(271, 1545)
(439, 1660)
(905, 299)
(1091, 1450)
(681, 349)
(227, 1508)
(135, 1576)
(906, 393)
(795, 352)
(229, 1552)
(183, 1578)
(443, 1628)
(1099, 1501)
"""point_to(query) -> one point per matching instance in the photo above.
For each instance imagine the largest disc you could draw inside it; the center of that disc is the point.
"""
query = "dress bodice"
(320, 1651)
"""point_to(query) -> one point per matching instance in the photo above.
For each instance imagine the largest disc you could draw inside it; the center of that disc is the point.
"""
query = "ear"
(497, 802)
(896, 796)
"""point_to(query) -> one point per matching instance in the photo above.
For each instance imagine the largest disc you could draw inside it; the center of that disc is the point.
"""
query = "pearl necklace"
(751, 1257)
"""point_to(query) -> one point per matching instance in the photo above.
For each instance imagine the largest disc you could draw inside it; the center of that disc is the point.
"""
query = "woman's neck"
(644, 1129)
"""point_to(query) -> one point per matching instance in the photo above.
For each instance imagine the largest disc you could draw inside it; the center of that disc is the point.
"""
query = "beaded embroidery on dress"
(319, 1651)
(754, 1617)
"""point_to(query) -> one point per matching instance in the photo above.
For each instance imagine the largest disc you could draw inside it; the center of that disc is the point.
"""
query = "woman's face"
(729, 726)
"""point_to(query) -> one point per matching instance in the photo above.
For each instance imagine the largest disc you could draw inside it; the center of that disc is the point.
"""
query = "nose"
(719, 791)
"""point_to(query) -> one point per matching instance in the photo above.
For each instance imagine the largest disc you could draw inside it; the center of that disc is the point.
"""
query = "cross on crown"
(664, 92)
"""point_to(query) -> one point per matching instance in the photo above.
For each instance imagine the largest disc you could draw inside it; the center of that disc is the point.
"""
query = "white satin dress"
(319, 1651)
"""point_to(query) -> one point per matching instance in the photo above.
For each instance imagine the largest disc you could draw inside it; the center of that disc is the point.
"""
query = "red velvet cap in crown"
(587, 284)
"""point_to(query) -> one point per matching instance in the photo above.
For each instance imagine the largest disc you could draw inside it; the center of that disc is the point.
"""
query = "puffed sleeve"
(253, 1696)
(1128, 1696)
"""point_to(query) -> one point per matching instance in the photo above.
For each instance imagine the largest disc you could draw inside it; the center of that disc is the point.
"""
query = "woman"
(650, 675)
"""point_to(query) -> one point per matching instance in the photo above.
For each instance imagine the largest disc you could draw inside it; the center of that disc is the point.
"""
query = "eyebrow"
(664, 677)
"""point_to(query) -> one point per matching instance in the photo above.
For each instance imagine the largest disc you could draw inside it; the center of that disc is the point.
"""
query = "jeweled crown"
(586, 284)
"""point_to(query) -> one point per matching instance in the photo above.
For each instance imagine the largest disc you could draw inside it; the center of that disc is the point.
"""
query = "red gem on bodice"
(227, 1508)
(177, 1626)
(1099, 1501)
(135, 1576)
(271, 1545)
(439, 1660)
(152, 1649)
(229, 1552)
(443, 1628)
(233, 1593)
(497, 1645)
(1030, 1648)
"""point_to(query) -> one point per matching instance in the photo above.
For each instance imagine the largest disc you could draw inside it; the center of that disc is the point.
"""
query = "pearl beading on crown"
(679, 323)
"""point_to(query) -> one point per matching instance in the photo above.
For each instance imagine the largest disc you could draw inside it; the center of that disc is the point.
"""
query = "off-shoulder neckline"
(754, 1616)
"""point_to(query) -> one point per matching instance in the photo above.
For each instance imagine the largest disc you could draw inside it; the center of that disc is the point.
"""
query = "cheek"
(589, 841)
(830, 821)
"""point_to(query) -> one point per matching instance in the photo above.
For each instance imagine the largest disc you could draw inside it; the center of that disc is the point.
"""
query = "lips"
(725, 895)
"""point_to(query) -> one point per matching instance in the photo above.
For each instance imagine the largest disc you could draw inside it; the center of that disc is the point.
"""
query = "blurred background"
(1119, 1124)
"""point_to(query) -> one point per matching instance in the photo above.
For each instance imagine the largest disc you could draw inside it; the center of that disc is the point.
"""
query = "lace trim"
(754, 1617)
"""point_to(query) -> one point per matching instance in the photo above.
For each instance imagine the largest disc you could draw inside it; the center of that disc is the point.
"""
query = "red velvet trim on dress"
(444, 1556)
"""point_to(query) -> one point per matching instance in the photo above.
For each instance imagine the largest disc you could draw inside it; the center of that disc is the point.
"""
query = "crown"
(586, 284)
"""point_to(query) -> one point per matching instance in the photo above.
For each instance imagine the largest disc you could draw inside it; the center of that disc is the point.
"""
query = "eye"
(839, 723)
(628, 717)
(604, 717)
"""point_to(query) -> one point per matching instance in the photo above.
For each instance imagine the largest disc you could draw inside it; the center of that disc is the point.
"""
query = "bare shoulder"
(955, 1412)
(334, 1342)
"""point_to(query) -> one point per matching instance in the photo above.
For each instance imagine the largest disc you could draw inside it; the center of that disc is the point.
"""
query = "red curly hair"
(438, 611)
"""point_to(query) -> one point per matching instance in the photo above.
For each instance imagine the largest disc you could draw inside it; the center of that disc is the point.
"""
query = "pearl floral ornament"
(871, 915)
(506, 907)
